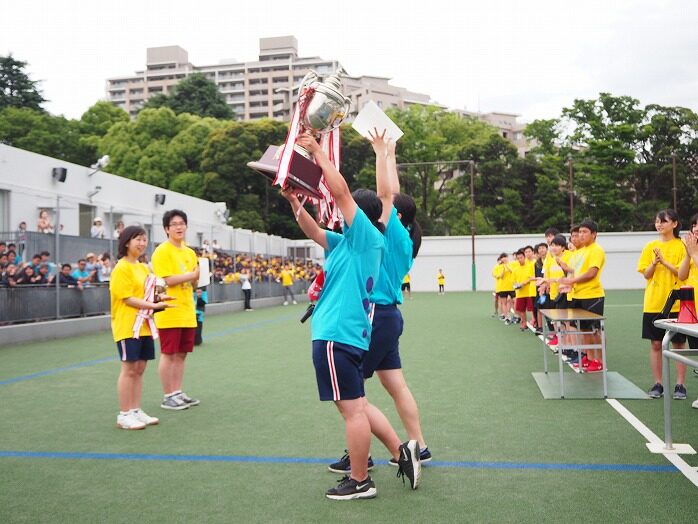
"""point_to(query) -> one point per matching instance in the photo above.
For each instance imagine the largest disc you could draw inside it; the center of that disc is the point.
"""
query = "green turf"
(470, 374)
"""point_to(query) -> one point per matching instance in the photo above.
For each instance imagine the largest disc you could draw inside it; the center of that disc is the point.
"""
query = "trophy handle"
(309, 78)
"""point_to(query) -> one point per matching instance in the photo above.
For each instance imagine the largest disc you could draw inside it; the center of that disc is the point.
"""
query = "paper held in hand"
(204, 272)
(372, 116)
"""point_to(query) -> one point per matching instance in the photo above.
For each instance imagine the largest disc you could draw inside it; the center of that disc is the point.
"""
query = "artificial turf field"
(256, 448)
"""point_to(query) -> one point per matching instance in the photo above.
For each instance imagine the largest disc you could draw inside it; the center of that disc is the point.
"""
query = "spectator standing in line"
(286, 279)
(27, 277)
(119, 229)
(3, 261)
(246, 288)
(177, 264)
(46, 259)
(200, 300)
(81, 274)
(441, 280)
(105, 268)
(93, 267)
(43, 225)
(12, 257)
(97, 229)
(65, 278)
(43, 276)
(35, 262)
(9, 276)
(21, 238)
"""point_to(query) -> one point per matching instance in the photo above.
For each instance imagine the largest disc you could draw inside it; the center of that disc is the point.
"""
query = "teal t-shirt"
(396, 262)
(352, 267)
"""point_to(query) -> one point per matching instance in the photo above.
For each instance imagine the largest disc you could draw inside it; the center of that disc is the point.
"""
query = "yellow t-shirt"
(586, 258)
(169, 260)
(127, 280)
(286, 277)
(523, 273)
(551, 269)
(406, 280)
(441, 279)
(692, 279)
(504, 278)
(663, 281)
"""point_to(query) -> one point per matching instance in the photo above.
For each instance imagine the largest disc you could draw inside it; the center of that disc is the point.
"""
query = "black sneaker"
(408, 463)
(657, 391)
(348, 489)
(695, 371)
(424, 456)
(344, 466)
(680, 392)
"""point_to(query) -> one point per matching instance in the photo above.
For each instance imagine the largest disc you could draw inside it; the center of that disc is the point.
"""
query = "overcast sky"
(530, 58)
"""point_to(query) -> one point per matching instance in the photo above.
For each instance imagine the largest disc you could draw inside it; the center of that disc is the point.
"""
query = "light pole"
(571, 190)
(471, 163)
(673, 180)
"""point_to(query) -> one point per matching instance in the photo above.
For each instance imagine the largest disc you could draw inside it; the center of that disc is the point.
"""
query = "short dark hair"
(527, 247)
(169, 215)
(82, 260)
(501, 256)
(559, 240)
(520, 252)
(590, 225)
(694, 220)
(36, 255)
(126, 236)
(551, 231)
(66, 265)
(45, 253)
(574, 228)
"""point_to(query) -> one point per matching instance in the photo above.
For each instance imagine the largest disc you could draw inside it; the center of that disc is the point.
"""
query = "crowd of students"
(566, 273)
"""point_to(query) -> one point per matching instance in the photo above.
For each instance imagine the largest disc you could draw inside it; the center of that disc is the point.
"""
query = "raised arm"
(305, 221)
(335, 181)
(392, 168)
(380, 147)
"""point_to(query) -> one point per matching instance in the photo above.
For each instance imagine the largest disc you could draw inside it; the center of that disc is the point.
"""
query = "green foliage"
(16, 89)
(196, 95)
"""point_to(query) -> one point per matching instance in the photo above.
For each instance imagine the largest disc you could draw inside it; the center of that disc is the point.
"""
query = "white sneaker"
(129, 421)
(295, 302)
(144, 417)
(695, 404)
(285, 303)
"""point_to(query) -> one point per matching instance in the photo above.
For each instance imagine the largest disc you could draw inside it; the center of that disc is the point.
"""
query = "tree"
(16, 89)
(95, 123)
(196, 95)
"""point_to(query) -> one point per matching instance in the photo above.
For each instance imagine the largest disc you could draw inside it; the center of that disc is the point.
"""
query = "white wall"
(454, 256)
(27, 178)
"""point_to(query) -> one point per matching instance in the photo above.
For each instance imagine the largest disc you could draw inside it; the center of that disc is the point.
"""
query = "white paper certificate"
(204, 272)
(372, 116)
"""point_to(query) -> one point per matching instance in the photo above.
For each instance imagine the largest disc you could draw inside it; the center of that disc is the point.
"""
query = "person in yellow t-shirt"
(659, 263)
(127, 293)
(177, 264)
(524, 274)
(406, 285)
(688, 272)
(286, 279)
(587, 263)
(504, 285)
(441, 280)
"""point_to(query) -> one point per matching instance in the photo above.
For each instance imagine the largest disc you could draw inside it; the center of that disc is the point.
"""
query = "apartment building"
(259, 89)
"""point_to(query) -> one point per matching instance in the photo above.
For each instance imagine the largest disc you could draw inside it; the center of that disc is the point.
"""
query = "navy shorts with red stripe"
(384, 351)
(135, 349)
(338, 370)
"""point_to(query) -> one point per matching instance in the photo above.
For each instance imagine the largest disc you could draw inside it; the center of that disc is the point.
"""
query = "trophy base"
(302, 151)
(304, 175)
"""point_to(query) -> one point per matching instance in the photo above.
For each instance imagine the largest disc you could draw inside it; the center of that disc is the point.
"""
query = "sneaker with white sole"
(695, 404)
(144, 417)
(174, 403)
(190, 401)
(343, 465)
(349, 489)
(129, 421)
(408, 463)
(424, 456)
(680, 392)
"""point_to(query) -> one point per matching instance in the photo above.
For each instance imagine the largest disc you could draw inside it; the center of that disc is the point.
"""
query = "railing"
(37, 303)
(70, 248)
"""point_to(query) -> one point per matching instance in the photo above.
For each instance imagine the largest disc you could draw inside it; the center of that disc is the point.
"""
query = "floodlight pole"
(673, 179)
(57, 230)
(471, 163)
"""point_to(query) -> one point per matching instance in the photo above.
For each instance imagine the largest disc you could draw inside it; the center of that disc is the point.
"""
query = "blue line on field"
(56, 370)
(247, 327)
(634, 468)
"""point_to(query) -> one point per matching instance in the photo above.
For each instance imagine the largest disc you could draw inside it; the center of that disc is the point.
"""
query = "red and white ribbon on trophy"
(146, 315)
(328, 214)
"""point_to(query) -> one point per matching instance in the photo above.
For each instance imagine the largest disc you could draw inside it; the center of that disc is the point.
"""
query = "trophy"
(321, 108)
(160, 288)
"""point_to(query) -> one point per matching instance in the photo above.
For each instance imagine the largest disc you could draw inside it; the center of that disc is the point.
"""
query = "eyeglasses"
(177, 224)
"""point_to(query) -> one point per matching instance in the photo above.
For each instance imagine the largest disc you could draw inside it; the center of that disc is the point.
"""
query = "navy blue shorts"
(384, 351)
(134, 349)
(338, 370)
